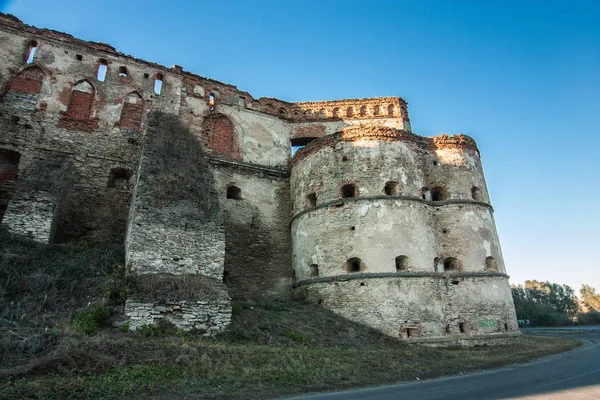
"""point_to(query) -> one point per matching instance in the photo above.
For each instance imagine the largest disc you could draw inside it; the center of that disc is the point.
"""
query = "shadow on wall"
(177, 163)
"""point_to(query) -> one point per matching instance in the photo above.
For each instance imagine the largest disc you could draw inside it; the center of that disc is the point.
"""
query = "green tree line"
(552, 304)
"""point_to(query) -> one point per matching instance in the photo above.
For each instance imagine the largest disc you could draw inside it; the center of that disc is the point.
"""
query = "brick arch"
(23, 89)
(218, 135)
(28, 80)
(81, 101)
(132, 111)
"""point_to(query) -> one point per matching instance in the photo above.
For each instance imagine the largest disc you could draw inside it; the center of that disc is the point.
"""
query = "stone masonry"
(198, 180)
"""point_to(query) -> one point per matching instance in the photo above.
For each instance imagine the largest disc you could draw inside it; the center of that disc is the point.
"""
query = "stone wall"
(206, 317)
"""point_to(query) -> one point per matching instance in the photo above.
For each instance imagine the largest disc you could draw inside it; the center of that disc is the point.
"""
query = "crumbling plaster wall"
(433, 306)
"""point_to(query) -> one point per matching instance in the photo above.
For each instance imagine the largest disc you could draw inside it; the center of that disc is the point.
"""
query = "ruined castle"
(380, 225)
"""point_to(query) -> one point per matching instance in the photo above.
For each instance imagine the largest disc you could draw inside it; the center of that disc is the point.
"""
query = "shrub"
(89, 322)
(297, 337)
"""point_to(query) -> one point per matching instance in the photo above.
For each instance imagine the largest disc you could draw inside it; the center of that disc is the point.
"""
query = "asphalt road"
(573, 375)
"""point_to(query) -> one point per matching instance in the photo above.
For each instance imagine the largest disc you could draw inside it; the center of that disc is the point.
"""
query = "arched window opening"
(122, 71)
(81, 101)
(308, 113)
(282, 112)
(211, 102)
(322, 113)
(132, 112)
(402, 263)
(426, 194)
(490, 264)
(311, 199)
(102, 69)
(376, 110)
(349, 190)
(448, 329)
(391, 188)
(390, 109)
(354, 264)
(350, 112)
(314, 270)
(119, 178)
(438, 194)
(451, 264)
(363, 111)
(336, 112)
(461, 327)
(234, 192)
(158, 82)
(31, 50)
(476, 193)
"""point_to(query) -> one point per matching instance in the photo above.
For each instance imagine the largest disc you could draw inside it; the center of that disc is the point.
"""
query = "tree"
(545, 303)
(589, 297)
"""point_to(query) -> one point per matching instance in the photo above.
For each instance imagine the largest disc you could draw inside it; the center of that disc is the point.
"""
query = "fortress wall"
(376, 231)
(483, 304)
(468, 233)
(174, 222)
(430, 306)
(458, 170)
(257, 234)
(367, 164)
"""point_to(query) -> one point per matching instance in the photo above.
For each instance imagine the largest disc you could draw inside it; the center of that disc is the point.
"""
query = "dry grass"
(272, 349)
(309, 349)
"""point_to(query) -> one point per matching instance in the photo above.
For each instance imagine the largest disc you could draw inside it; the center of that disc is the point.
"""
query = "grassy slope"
(272, 349)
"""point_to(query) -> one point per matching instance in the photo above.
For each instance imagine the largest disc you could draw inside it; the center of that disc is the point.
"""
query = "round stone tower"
(395, 231)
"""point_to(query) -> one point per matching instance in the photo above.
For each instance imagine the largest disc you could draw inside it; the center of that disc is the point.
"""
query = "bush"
(297, 337)
(162, 328)
(90, 322)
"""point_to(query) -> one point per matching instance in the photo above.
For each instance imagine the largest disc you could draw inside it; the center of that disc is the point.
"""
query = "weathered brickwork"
(196, 178)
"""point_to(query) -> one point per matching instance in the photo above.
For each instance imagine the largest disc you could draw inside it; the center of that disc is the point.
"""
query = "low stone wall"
(31, 215)
(208, 317)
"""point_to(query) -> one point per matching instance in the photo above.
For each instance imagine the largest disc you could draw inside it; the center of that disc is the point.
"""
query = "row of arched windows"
(101, 70)
(81, 101)
(337, 112)
(402, 264)
(393, 188)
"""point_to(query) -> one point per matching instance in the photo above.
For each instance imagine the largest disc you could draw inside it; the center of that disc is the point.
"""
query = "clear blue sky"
(521, 77)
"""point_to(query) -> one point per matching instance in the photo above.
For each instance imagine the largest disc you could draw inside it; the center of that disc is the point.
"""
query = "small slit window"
(348, 190)
(102, 69)
(311, 200)
(211, 102)
(490, 264)
(391, 188)
(402, 263)
(79, 57)
(31, 50)
(354, 264)
(314, 270)
(476, 193)
(119, 178)
(158, 82)
(234, 192)
(450, 264)
(461, 327)
(122, 71)
(438, 194)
